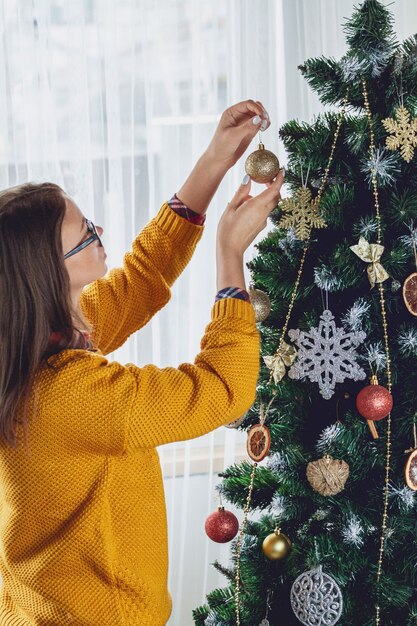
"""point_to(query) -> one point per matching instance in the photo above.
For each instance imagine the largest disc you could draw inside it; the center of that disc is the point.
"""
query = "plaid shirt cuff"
(232, 292)
(183, 210)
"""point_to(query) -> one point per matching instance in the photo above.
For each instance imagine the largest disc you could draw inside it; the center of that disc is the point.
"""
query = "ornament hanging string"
(304, 182)
(387, 354)
(400, 92)
(336, 425)
(325, 301)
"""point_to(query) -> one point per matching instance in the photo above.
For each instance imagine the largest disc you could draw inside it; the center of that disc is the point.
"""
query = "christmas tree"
(339, 267)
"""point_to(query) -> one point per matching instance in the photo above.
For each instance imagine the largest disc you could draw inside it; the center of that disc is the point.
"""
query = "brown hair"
(35, 297)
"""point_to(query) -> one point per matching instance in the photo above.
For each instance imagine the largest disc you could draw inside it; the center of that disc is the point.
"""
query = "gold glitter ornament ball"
(260, 302)
(262, 165)
(276, 546)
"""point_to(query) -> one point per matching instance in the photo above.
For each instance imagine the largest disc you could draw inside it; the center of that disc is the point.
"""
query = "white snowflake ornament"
(326, 355)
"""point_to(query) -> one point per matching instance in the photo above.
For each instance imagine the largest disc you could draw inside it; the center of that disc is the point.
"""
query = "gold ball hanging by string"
(260, 302)
(276, 546)
(262, 165)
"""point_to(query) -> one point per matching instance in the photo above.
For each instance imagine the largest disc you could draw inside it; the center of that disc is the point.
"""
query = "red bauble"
(374, 402)
(222, 526)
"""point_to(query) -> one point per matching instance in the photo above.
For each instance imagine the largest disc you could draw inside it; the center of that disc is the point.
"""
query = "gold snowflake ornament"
(301, 213)
(403, 131)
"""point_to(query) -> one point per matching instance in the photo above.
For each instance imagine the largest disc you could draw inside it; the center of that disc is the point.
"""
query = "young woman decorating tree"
(83, 532)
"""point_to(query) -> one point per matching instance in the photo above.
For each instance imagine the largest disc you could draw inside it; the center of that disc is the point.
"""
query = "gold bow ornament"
(284, 357)
(371, 253)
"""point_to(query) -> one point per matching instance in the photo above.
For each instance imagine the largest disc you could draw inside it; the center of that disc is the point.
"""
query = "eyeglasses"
(94, 236)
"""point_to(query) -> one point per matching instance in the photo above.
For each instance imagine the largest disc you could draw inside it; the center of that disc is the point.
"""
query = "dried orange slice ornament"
(410, 293)
(410, 471)
(259, 442)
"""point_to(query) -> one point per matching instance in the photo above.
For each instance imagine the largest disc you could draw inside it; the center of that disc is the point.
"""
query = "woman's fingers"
(265, 117)
(271, 195)
(268, 198)
(247, 109)
(250, 112)
(242, 193)
(271, 182)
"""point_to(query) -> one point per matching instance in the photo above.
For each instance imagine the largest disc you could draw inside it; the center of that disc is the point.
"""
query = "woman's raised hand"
(237, 127)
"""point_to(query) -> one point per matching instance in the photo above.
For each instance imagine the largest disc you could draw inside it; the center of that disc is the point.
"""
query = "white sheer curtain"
(115, 100)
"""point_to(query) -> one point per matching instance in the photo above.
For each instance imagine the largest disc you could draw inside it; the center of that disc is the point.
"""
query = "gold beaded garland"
(284, 330)
(387, 351)
(305, 249)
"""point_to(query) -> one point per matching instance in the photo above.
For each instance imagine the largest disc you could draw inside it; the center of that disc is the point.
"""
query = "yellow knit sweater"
(83, 531)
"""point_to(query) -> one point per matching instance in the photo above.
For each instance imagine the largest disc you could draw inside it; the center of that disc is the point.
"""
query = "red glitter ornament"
(374, 402)
(221, 526)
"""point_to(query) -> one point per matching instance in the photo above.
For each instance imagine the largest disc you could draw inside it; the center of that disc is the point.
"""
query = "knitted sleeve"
(194, 399)
(132, 407)
(127, 297)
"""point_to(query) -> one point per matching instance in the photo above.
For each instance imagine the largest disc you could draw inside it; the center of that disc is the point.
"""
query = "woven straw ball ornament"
(327, 476)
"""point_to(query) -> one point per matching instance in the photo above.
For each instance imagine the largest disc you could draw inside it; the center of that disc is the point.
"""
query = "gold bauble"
(260, 302)
(262, 165)
(276, 546)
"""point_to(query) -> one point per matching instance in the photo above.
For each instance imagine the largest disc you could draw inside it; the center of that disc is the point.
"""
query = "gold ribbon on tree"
(371, 253)
(283, 358)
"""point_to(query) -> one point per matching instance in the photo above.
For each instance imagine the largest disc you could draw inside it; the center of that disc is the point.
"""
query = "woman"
(83, 535)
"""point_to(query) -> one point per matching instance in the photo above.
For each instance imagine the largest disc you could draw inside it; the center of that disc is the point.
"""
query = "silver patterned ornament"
(264, 622)
(326, 355)
(260, 302)
(316, 599)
